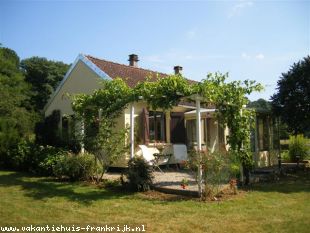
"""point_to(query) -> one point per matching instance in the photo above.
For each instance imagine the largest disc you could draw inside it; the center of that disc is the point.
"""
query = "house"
(176, 129)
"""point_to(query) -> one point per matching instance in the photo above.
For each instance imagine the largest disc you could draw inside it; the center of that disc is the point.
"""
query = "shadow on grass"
(44, 188)
(298, 181)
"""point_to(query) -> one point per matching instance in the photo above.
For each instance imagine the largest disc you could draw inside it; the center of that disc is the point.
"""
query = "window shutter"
(145, 126)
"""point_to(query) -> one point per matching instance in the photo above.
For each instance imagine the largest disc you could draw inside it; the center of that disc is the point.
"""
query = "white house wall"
(80, 80)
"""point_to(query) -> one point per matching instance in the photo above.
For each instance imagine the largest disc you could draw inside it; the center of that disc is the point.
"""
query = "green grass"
(272, 207)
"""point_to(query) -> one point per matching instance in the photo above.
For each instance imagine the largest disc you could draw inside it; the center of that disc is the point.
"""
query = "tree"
(260, 104)
(16, 122)
(292, 101)
(44, 76)
(98, 112)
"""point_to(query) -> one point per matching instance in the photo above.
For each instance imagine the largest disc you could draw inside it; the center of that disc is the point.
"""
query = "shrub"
(139, 174)
(285, 157)
(19, 156)
(48, 158)
(75, 167)
(217, 169)
(30, 157)
(298, 148)
(106, 144)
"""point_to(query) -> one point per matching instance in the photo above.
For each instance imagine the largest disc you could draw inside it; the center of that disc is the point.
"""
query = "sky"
(256, 40)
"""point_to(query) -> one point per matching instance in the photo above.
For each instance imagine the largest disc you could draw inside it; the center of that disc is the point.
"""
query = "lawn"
(283, 206)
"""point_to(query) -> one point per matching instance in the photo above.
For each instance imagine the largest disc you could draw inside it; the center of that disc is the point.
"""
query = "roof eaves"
(89, 64)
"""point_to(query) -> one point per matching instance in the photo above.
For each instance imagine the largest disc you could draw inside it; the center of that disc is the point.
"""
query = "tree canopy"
(16, 121)
(260, 104)
(44, 76)
(292, 100)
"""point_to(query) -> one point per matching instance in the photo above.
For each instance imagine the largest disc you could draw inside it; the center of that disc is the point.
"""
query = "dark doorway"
(177, 128)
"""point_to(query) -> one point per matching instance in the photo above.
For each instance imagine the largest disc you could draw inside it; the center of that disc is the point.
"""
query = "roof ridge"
(127, 66)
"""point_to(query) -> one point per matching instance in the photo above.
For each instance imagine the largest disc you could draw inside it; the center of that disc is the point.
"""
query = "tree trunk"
(246, 173)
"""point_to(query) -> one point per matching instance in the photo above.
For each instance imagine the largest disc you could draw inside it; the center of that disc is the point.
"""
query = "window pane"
(261, 134)
(266, 134)
(157, 126)
(152, 126)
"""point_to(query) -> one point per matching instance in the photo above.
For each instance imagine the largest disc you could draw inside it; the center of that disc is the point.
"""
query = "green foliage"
(44, 76)
(48, 158)
(19, 156)
(50, 161)
(292, 101)
(139, 174)
(217, 168)
(30, 157)
(298, 148)
(111, 98)
(261, 105)
(47, 132)
(107, 144)
(285, 157)
(101, 138)
(234, 165)
(215, 171)
(75, 167)
(165, 92)
(230, 99)
(16, 121)
(9, 64)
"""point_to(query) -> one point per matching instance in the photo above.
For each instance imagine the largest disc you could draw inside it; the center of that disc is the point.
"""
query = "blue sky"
(255, 40)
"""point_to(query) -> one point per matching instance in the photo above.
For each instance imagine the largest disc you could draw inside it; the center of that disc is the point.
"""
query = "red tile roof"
(130, 74)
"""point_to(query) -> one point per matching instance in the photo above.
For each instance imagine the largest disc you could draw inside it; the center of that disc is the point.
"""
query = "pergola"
(166, 93)
(197, 98)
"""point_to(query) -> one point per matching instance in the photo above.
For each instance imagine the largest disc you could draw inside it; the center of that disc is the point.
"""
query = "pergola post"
(132, 131)
(82, 135)
(198, 138)
(256, 141)
(241, 165)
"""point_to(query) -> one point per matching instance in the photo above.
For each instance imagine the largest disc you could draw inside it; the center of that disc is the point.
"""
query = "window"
(266, 134)
(68, 130)
(263, 134)
(191, 131)
(157, 126)
(65, 130)
(221, 133)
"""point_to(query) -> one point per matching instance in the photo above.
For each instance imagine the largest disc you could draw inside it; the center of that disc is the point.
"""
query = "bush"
(285, 157)
(139, 175)
(49, 161)
(48, 158)
(75, 167)
(30, 157)
(217, 169)
(19, 156)
(297, 148)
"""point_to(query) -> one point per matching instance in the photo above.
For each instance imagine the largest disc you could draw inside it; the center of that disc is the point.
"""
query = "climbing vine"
(230, 100)
(165, 93)
(111, 99)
